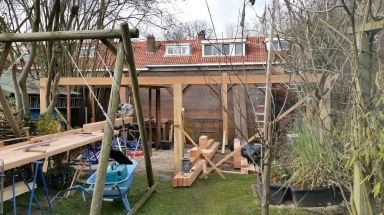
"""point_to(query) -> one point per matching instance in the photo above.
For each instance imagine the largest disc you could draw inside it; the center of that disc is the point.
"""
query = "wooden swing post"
(97, 197)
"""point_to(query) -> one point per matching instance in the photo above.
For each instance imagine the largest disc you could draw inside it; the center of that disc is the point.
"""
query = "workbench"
(16, 156)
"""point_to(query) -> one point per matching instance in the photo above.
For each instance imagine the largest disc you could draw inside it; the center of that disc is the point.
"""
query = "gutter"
(208, 64)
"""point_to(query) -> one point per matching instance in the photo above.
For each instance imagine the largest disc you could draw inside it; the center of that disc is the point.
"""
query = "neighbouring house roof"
(255, 52)
(6, 84)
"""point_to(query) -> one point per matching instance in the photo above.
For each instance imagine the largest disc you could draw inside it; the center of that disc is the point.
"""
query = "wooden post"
(224, 97)
(69, 114)
(178, 137)
(136, 96)
(97, 197)
(150, 135)
(123, 95)
(240, 112)
(93, 106)
(3, 100)
(158, 119)
(42, 90)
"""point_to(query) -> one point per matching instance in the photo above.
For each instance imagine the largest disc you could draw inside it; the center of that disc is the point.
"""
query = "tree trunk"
(267, 153)
(28, 65)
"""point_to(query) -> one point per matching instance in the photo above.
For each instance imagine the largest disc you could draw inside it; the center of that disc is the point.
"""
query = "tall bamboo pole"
(136, 96)
(97, 197)
(267, 156)
(3, 100)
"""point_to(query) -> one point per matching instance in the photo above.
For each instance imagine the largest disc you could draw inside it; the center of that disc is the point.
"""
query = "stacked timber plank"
(240, 162)
(198, 162)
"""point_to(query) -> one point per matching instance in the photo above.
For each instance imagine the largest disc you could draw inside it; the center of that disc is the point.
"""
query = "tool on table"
(35, 144)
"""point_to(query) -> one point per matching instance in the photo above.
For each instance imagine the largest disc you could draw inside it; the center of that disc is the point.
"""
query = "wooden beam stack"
(198, 162)
(240, 162)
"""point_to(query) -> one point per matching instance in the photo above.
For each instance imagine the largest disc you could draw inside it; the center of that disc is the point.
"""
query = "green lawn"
(207, 196)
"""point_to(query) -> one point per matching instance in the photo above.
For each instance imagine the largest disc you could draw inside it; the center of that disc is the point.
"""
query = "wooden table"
(17, 156)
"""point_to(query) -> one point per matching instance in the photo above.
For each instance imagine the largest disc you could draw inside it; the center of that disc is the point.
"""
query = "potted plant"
(279, 190)
(312, 179)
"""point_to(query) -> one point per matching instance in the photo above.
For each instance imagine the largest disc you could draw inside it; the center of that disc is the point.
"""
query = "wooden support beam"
(300, 102)
(240, 112)
(224, 101)
(42, 90)
(237, 155)
(178, 141)
(97, 196)
(97, 126)
(150, 129)
(143, 199)
(65, 35)
(128, 49)
(158, 119)
(69, 114)
(199, 80)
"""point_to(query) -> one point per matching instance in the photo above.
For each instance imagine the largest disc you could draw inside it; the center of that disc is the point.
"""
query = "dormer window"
(228, 47)
(178, 50)
(279, 44)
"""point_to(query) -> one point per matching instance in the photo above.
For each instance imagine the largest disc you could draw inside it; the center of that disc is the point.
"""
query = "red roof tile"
(255, 52)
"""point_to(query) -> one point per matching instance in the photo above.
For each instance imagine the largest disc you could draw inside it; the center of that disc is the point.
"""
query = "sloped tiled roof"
(255, 52)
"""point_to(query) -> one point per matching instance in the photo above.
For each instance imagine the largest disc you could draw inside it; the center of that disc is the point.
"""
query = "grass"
(210, 196)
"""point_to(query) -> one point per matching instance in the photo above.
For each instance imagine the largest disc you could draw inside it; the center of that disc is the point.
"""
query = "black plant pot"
(277, 193)
(165, 145)
(318, 197)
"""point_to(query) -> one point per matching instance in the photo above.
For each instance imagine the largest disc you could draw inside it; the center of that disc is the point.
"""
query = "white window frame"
(279, 41)
(232, 49)
(180, 47)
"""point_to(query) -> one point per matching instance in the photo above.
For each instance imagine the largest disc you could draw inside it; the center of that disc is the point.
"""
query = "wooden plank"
(65, 35)
(186, 181)
(20, 188)
(227, 156)
(143, 198)
(224, 143)
(56, 135)
(205, 157)
(16, 156)
(43, 101)
(237, 155)
(199, 80)
(178, 140)
(300, 102)
(203, 141)
(97, 126)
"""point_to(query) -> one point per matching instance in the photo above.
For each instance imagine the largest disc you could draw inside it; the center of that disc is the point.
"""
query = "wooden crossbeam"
(65, 35)
(199, 80)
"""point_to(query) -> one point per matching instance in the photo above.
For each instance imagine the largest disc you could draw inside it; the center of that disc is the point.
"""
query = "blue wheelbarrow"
(117, 183)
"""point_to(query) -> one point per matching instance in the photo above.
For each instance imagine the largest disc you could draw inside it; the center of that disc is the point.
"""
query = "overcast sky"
(223, 12)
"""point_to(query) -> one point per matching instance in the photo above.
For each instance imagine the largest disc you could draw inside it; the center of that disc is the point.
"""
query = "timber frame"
(175, 82)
